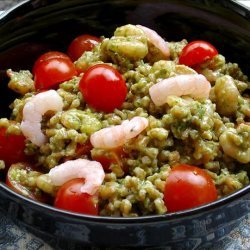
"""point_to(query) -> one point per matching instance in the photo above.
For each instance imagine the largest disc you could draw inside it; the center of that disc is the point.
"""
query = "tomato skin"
(197, 52)
(103, 88)
(47, 56)
(51, 69)
(11, 148)
(81, 44)
(69, 197)
(188, 187)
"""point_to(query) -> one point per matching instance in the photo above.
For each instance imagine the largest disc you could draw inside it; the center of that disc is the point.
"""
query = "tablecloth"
(14, 237)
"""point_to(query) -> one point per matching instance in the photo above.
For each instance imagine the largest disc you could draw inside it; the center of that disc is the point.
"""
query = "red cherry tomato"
(187, 187)
(103, 88)
(81, 44)
(52, 68)
(197, 52)
(11, 147)
(19, 185)
(107, 157)
(69, 197)
(47, 56)
(81, 150)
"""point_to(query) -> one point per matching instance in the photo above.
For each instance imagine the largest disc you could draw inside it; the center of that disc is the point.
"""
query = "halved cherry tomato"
(52, 68)
(18, 180)
(11, 147)
(103, 88)
(81, 150)
(107, 157)
(197, 52)
(81, 44)
(187, 187)
(69, 197)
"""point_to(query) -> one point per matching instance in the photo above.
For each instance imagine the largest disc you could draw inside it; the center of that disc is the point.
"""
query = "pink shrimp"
(156, 40)
(196, 86)
(33, 110)
(115, 136)
(91, 171)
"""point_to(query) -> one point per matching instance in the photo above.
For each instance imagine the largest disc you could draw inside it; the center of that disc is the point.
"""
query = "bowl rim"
(127, 220)
(17, 5)
(238, 8)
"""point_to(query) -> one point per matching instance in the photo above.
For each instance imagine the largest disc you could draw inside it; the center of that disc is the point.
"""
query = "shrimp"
(226, 96)
(131, 47)
(236, 143)
(196, 86)
(116, 136)
(128, 41)
(91, 171)
(33, 110)
(156, 40)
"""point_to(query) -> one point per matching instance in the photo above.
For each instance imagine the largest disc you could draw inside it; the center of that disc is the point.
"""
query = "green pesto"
(80, 120)
(21, 82)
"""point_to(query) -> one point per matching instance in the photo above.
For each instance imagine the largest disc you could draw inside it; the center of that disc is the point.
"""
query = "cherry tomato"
(187, 187)
(16, 179)
(197, 52)
(81, 150)
(107, 157)
(47, 56)
(52, 68)
(11, 147)
(103, 88)
(69, 197)
(81, 44)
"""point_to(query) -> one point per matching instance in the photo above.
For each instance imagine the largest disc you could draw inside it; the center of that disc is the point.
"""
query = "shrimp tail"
(156, 40)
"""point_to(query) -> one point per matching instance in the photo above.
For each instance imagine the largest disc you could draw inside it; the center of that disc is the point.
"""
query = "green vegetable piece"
(81, 121)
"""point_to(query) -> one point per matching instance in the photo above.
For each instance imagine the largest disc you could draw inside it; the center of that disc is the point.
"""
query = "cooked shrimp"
(156, 40)
(91, 171)
(33, 111)
(226, 95)
(130, 30)
(196, 86)
(128, 41)
(115, 136)
(236, 143)
(130, 47)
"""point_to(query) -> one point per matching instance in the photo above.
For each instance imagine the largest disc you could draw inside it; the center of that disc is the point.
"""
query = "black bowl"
(36, 26)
